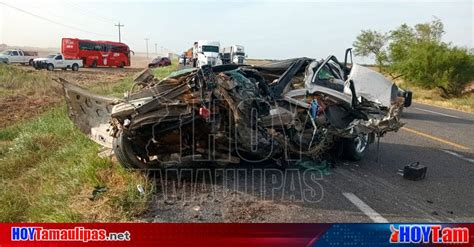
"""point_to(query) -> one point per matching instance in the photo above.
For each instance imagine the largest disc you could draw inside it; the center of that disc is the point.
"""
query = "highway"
(370, 191)
(375, 191)
(363, 191)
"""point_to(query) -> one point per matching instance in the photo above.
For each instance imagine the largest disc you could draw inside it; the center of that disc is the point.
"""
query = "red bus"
(96, 53)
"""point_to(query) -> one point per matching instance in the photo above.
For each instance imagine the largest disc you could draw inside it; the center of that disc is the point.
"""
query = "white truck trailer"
(18, 56)
(206, 52)
(233, 54)
(57, 61)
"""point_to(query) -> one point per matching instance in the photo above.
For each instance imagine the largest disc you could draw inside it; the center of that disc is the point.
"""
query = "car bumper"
(40, 64)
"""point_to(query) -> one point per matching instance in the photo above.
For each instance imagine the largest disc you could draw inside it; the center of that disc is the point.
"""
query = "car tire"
(75, 67)
(355, 149)
(123, 149)
(50, 67)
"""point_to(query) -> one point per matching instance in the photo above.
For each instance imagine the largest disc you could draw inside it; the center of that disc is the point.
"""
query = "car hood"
(372, 85)
(41, 59)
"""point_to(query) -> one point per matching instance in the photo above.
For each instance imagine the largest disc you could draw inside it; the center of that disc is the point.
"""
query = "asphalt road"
(364, 191)
(442, 140)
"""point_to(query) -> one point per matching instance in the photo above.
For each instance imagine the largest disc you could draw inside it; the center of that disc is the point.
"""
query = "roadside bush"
(431, 65)
(419, 56)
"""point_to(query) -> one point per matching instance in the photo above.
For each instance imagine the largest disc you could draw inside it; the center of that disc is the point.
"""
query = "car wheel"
(75, 67)
(126, 156)
(355, 149)
(50, 67)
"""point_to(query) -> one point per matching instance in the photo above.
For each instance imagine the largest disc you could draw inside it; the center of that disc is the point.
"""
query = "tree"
(420, 56)
(423, 59)
(370, 42)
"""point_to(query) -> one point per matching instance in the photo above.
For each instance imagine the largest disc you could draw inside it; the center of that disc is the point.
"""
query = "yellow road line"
(434, 138)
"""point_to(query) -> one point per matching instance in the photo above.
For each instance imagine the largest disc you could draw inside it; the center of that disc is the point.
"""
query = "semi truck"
(233, 54)
(206, 52)
(18, 56)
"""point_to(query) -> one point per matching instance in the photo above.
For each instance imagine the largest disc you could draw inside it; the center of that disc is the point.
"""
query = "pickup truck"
(18, 56)
(57, 61)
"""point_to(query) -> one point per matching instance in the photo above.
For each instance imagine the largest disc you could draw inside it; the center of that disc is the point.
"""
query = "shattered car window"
(327, 78)
(325, 74)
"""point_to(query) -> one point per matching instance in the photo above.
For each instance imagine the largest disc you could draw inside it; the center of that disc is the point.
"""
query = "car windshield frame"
(210, 48)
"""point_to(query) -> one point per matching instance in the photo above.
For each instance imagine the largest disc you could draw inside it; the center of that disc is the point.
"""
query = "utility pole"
(147, 47)
(119, 26)
(156, 51)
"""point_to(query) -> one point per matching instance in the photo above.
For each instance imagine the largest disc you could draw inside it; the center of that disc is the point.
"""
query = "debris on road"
(298, 108)
(414, 171)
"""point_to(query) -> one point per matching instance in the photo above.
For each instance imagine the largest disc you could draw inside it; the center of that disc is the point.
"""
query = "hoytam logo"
(75, 234)
(429, 234)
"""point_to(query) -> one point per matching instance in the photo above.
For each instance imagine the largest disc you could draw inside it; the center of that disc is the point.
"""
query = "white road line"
(439, 113)
(366, 209)
(458, 155)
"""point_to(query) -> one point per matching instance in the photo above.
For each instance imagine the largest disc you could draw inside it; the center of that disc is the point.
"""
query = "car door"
(21, 57)
(14, 57)
(330, 78)
(59, 61)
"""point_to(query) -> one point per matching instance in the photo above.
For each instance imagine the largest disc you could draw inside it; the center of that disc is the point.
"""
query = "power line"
(52, 21)
(90, 13)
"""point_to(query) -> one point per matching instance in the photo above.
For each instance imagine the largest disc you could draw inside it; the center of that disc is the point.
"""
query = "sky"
(267, 29)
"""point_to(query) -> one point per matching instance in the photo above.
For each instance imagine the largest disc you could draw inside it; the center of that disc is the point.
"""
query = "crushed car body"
(283, 111)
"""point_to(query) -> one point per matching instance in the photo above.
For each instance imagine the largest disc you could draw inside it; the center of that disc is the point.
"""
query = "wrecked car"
(282, 112)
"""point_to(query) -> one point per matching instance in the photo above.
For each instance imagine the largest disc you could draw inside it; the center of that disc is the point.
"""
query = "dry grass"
(433, 96)
(258, 61)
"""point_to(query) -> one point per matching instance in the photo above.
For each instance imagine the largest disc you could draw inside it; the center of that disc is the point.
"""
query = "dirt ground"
(17, 108)
(20, 106)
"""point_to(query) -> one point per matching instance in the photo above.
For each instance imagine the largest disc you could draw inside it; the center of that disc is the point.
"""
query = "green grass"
(49, 169)
(118, 89)
(162, 72)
